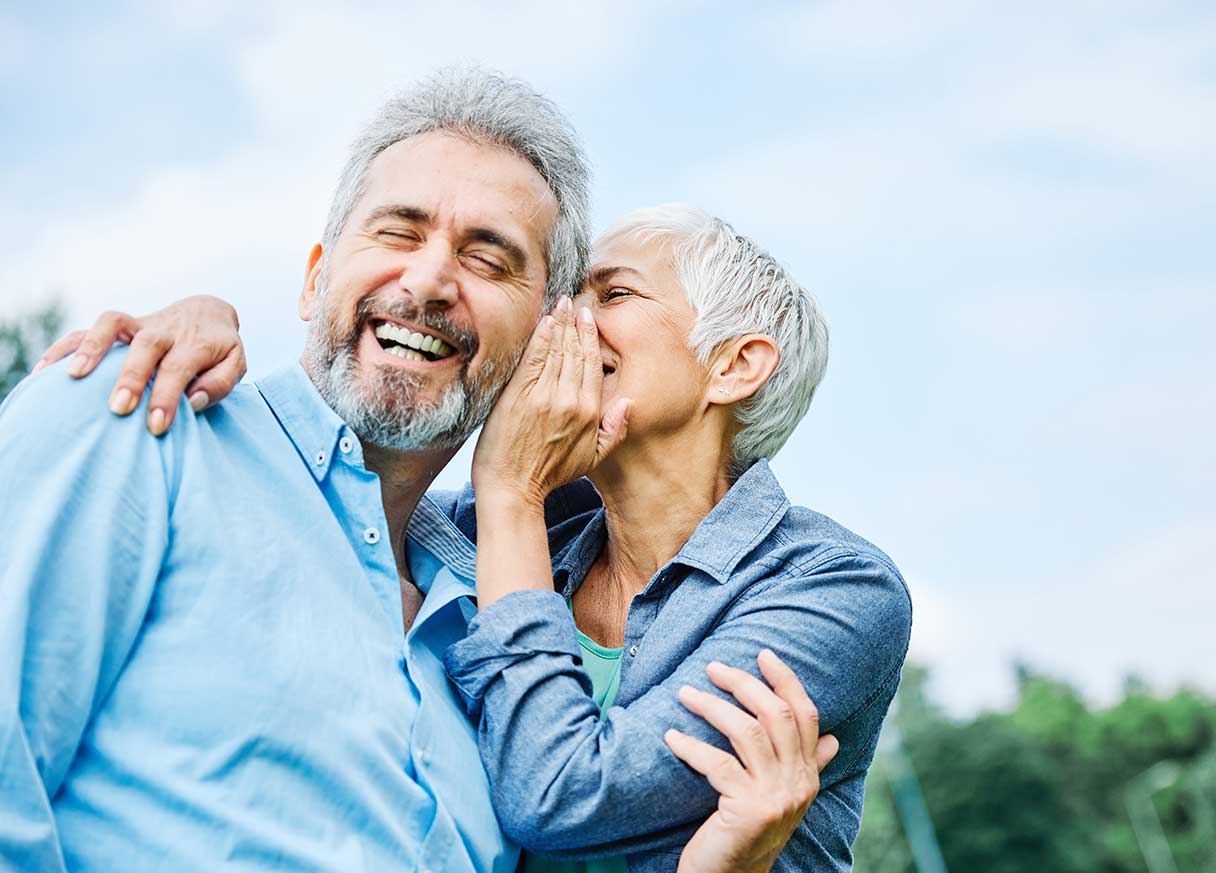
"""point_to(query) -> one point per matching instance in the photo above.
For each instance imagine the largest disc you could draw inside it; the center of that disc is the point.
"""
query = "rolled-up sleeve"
(568, 783)
(527, 626)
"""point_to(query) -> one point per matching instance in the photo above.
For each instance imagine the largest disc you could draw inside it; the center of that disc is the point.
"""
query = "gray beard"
(383, 408)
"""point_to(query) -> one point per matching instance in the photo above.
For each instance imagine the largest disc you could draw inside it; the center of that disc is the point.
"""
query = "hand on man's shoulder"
(61, 408)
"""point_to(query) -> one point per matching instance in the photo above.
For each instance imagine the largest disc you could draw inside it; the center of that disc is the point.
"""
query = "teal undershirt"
(603, 665)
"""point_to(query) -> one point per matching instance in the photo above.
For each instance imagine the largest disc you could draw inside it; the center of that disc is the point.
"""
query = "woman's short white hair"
(736, 287)
(489, 108)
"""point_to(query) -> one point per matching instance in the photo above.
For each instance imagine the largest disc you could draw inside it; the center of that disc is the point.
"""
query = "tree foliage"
(23, 340)
(1047, 786)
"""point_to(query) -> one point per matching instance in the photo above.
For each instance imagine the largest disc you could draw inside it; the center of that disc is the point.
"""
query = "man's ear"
(741, 367)
(308, 295)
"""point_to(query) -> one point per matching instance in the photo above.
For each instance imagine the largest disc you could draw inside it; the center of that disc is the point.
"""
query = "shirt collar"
(315, 429)
(431, 528)
(752, 507)
(311, 425)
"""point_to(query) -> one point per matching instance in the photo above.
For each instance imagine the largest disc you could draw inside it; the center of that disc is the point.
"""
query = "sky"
(1007, 211)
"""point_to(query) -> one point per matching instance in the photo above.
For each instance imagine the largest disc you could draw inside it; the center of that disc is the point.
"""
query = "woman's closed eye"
(615, 292)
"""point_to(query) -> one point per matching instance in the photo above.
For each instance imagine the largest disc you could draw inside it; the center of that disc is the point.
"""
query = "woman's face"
(644, 319)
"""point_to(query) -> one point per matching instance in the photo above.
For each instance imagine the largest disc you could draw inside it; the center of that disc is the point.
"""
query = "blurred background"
(1008, 212)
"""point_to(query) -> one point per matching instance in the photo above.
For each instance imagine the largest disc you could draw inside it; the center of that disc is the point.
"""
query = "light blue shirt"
(203, 664)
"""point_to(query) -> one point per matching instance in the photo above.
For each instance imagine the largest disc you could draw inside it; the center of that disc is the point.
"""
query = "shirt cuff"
(516, 627)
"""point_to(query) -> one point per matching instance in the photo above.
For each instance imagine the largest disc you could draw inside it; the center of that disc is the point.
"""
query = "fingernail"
(38, 366)
(199, 400)
(584, 315)
(564, 304)
(78, 364)
(122, 402)
(156, 421)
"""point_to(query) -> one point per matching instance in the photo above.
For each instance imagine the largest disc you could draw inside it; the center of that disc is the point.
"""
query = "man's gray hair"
(488, 108)
(736, 287)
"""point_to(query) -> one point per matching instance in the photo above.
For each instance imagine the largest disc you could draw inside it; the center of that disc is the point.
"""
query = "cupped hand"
(192, 345)
(547, 427)
(769, 783)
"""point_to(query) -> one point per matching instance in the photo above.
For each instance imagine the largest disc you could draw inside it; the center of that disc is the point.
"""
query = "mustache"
(465, 338)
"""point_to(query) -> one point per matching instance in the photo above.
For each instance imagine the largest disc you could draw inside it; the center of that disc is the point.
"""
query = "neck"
(404, 478)
(652, 506)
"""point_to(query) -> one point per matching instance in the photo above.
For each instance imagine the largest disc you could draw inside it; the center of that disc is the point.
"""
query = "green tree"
(1045, 785)
(23, 340)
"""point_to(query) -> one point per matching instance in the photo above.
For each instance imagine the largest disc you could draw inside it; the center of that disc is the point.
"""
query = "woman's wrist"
(504, 498)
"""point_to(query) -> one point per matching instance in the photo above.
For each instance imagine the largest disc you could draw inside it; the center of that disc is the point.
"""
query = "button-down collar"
(752, 507)
(313, 427)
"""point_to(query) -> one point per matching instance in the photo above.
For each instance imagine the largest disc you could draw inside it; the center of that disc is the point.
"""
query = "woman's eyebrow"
(602, 275)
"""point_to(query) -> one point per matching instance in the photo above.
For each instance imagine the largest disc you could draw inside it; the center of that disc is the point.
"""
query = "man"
(216, 651)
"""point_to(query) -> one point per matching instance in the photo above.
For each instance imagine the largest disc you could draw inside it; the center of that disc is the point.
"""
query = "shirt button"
(633, 651)
(371, 536)
(319, 460)
(345, 445)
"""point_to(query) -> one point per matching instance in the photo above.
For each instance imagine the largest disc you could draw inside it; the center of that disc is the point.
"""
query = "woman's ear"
(308, 295)
(741, 367)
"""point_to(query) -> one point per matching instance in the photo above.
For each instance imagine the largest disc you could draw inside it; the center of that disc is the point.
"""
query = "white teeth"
(414, 340)
(403, 352)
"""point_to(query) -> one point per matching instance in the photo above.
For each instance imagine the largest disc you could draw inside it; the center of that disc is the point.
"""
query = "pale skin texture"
(650, 445)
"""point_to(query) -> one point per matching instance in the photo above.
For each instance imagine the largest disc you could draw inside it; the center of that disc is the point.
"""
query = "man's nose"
(429, 276)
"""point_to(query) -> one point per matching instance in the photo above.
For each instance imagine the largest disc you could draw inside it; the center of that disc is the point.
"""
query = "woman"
(706, 357)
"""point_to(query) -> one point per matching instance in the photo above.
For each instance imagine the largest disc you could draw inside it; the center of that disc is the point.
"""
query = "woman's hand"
(547, 427)
(193, 345)
(765, 790)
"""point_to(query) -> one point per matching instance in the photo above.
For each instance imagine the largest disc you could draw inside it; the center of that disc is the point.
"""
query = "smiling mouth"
(411, 345)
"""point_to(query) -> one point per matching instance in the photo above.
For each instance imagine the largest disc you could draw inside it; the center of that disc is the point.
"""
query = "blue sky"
(1007, 211)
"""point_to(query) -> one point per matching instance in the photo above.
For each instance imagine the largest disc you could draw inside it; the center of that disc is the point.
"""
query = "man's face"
(421, 310)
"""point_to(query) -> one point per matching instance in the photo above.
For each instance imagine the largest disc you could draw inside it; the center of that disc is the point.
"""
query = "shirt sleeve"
(84, 521)
(569, 501)
(567, 783)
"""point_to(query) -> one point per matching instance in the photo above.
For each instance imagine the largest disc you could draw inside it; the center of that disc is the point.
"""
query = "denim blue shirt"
(202, 657)
(755, 573)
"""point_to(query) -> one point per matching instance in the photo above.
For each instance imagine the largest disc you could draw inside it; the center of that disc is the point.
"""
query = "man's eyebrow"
(398, 210)
(602, 275)
(514, 251)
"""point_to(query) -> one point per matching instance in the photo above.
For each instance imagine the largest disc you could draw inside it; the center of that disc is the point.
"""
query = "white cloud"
(1144, 610)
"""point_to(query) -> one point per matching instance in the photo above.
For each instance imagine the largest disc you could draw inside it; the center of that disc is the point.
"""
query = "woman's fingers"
(147, 350)
(613, 427)
(552, 370)
(774, 713)
(747, 736)
(91, 346)
(722, 769)
(789, 688)
(593, 368)
(825, 751)
(212, 385)
(60, 349)
(572, 354)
